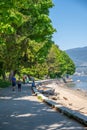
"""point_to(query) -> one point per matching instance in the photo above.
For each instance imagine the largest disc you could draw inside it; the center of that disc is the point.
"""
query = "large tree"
(59, 63)
(22, 23)
(26, 36)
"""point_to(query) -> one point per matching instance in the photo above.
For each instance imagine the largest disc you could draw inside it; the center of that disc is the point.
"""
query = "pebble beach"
(73, 99)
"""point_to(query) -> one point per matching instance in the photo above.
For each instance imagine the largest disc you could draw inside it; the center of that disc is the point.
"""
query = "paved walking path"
(22, 111)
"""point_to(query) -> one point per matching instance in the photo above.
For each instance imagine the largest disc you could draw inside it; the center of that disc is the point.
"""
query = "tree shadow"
(22, 111)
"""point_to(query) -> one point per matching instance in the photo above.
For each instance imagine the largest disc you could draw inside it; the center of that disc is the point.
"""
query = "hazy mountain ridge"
(78, 55)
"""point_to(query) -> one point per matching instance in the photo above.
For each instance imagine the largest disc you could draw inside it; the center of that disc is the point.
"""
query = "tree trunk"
(12, 73)
(4, 75)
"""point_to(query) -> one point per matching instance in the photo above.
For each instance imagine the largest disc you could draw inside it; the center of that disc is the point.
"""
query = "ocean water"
(79, 82)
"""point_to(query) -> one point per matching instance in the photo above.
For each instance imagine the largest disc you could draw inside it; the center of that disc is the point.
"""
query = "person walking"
(13, 83)
(19, 84)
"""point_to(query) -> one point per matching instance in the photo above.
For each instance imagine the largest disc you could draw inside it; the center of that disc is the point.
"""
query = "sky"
(69, 17)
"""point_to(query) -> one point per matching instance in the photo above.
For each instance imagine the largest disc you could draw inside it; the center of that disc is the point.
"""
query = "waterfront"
(79, 82)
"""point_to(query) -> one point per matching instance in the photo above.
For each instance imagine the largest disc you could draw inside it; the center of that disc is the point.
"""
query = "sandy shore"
(73, 99)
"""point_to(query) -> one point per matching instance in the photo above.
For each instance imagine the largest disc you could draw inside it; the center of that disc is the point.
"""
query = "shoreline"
(77, 91)
(74, 99)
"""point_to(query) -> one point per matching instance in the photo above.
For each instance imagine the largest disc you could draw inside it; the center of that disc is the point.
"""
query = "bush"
(4, 84)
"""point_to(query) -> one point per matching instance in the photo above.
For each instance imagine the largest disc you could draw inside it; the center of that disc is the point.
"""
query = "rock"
(65, 98)
(54, 98)
(70, 104)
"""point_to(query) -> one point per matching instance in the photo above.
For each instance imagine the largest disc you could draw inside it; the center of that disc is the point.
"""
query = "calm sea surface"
(79, 82)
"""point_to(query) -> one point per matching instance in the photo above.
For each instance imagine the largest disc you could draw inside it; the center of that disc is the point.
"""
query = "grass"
(4, 83)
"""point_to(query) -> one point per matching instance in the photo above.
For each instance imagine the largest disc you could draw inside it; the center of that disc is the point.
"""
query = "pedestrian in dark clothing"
(13, 83)
(32, 86)
(19, 84)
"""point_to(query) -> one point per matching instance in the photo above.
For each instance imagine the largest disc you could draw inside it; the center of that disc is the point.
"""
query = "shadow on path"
(22, 111)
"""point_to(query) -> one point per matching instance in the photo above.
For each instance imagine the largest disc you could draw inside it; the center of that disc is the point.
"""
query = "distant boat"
(78, 80)
(69, 80)
(77, 73)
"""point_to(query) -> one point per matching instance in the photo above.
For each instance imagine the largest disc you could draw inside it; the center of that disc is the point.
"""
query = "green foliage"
(4, 84)
(43, 52)
(59, 63)
(26, 44)
(66, 64)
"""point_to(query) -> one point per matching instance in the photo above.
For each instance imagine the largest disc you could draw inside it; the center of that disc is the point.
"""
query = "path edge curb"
(66, 111)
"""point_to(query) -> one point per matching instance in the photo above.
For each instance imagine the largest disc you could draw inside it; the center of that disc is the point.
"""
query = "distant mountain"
(78, 55)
